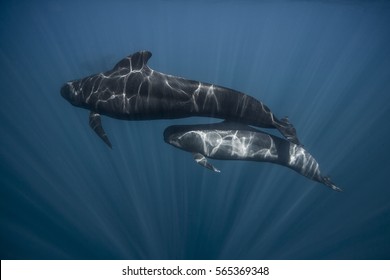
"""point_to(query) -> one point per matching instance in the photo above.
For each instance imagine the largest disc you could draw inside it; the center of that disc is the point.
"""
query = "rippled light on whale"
(133, 91)
(233, 141)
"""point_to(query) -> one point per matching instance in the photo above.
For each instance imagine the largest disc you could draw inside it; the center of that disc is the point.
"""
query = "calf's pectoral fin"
(95, 123)
(201, 159)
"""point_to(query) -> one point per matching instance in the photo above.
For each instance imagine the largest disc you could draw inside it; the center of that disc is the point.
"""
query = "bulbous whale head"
(173, 137)
(186, 140)
(72, 92)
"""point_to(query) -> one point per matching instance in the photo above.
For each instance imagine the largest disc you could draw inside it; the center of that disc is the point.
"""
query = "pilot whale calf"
(133, 91)
(232, 141)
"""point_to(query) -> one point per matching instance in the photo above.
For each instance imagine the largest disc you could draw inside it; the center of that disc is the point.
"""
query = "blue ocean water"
(65, 195)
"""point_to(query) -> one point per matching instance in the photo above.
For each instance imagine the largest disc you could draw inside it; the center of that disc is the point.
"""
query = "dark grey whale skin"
(235, 141)
(133, 91)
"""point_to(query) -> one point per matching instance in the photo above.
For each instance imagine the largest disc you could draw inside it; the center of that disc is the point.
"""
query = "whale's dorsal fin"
(139, 59)
(96, 124)
(136, 61)
(202, 160)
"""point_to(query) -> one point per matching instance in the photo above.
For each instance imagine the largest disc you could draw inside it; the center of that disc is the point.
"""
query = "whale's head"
(184, 138)
(72, 92)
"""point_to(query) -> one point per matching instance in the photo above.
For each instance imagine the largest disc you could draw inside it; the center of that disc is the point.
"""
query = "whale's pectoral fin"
(95, 123)
(287, 129)
(201, 159)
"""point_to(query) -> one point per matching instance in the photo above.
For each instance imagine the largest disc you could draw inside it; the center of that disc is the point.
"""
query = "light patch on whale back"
(303, 162)
(210, 95)
(268, 153)
(230, 144)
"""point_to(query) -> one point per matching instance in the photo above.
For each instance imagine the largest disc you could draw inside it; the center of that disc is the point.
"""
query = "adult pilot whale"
(133, 91)
(233, 141)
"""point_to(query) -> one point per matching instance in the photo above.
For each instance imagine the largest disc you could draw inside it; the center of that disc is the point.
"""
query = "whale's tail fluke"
(327, 182)
(287, 130)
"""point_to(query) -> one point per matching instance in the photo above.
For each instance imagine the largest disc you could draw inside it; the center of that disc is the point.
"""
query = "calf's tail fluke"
(327, 182)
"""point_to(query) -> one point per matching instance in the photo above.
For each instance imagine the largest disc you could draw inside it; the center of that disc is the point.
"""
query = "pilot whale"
(133, 91)
(234, 141)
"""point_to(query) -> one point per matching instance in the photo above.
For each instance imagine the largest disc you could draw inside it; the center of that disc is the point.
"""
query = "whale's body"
(133, 91)
(232, 141)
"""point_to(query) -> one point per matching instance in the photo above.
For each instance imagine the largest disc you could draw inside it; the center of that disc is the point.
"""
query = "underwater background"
(65, 195)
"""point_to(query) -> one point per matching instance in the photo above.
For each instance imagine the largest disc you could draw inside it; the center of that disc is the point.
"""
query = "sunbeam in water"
(65, 195)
